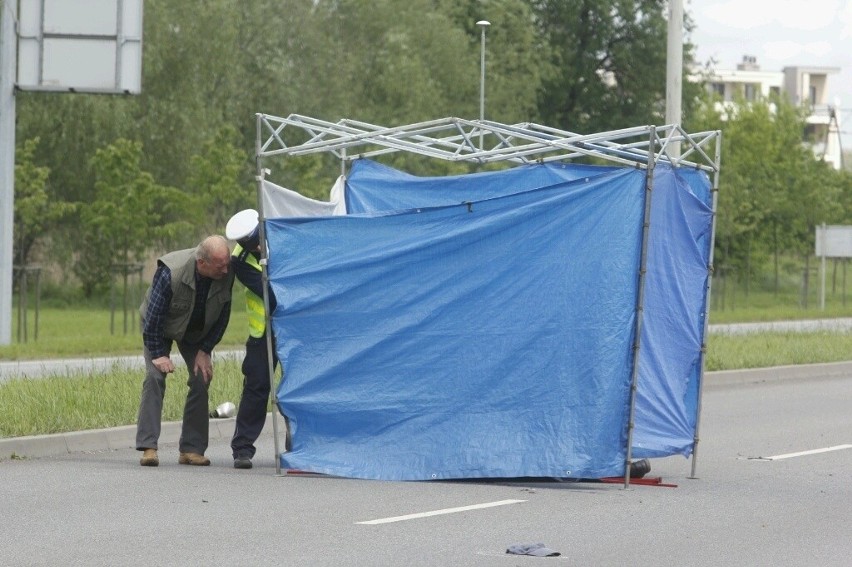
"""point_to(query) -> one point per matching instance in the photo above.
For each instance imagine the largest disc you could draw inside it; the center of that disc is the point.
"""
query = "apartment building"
(801, 85)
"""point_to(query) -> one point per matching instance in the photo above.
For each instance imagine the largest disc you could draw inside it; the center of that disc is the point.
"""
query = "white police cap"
(242, 225)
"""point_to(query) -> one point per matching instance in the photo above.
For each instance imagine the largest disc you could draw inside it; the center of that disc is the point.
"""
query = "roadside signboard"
(90, 46)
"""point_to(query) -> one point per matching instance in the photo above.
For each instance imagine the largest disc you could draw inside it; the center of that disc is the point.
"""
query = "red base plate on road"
(648, 480)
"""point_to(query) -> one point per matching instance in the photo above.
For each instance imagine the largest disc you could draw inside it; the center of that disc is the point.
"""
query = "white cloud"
(819, 49)
(811, 15)
(790, 50)
(846, 21)
(782, 50)
(734, 14)
(791, 14)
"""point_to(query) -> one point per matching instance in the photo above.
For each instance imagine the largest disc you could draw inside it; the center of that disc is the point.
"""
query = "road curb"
(124, 437)
(778, 373)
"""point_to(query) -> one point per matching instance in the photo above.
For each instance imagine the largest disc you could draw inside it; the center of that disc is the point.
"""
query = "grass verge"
(78, 402)
(762, 350)
(81, 333)
(60, 404)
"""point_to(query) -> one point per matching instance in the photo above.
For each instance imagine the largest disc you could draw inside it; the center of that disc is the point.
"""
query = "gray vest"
(182, 266)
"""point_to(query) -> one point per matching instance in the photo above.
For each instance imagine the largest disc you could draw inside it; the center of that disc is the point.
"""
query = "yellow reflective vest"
(254, 303)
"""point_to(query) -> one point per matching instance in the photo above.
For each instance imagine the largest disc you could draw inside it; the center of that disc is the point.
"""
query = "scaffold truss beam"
(456, 139)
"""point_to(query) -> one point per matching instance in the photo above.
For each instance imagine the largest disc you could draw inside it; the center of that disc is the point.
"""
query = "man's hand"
(164, 364)
(204, 365)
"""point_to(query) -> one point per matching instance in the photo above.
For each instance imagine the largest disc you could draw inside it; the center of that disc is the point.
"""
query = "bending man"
(189, 302)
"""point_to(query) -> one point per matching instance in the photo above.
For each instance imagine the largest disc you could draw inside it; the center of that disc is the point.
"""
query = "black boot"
(638, 469)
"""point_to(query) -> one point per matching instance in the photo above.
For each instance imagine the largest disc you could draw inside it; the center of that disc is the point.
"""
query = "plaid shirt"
(158, 307)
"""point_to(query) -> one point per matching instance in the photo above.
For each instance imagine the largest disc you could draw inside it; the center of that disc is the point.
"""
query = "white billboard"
(80, 46)
(834, 241)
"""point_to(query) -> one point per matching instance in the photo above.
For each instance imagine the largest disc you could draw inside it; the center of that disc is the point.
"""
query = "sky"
(780, 33)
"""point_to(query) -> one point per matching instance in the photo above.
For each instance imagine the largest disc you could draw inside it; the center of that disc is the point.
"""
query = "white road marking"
(811, 452)
(440, 512)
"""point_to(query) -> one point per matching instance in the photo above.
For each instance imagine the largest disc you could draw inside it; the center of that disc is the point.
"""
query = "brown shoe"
(149, 458)
(193, 459)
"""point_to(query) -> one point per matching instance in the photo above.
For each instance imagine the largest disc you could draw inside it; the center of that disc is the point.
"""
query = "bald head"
(213, 257)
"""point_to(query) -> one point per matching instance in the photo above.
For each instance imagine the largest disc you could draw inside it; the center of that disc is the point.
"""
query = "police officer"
(245, 263)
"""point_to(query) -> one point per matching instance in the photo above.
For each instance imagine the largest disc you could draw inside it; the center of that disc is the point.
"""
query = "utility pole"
(832, 133)
(8, 65)
(674, 69)
(482, 24)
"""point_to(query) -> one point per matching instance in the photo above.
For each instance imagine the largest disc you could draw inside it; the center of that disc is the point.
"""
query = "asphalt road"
(772, 488)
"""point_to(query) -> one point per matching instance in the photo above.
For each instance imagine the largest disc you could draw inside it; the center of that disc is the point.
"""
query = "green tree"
(773, 191)
(220, 179)
(402, 61)
(606, 64)
(514, 58)
(70, 128)
(129, 214)
(35, 212)
(191, 68)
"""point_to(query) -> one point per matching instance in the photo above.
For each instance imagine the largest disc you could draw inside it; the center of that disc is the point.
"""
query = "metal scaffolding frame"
(483, 142)
(486, 141)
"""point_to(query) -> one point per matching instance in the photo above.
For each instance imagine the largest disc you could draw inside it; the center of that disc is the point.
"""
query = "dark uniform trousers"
(251, 415)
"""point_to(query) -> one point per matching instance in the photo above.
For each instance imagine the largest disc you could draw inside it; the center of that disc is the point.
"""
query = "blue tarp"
(666, 409)
(373, 187)
(482, 326)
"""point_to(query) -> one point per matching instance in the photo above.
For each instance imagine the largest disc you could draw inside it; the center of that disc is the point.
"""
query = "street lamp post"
(483, 24)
